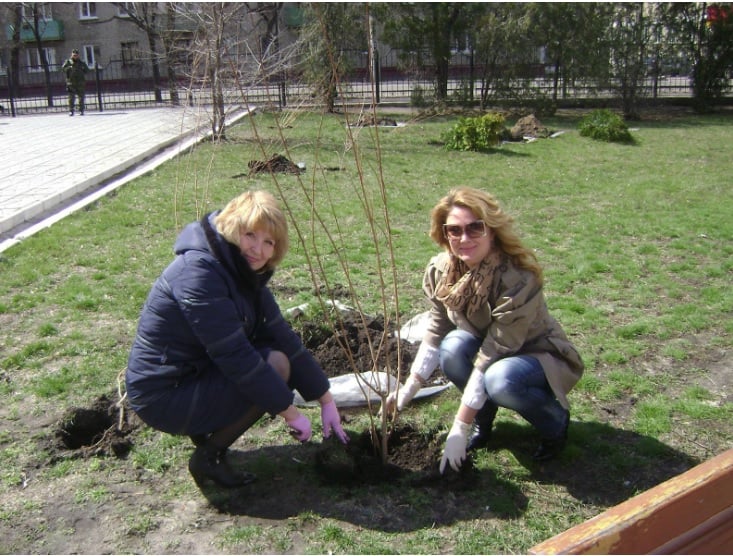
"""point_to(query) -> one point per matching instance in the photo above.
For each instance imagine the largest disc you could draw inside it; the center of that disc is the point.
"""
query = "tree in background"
(168, 36)
(331, 31)
(705, 33)
(502, 49)
(427, 27)
(629, 36)
(146, 16)
(14, 13)
(36, 22)
(572, 35)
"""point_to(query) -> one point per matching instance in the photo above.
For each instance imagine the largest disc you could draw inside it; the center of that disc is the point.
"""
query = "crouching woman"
(213, 352)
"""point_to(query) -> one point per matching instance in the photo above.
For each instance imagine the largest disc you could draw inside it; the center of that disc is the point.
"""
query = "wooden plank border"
(688, 514)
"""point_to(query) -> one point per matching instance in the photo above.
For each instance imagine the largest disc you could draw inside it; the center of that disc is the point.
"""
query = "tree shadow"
(601, 465)
(385, 498)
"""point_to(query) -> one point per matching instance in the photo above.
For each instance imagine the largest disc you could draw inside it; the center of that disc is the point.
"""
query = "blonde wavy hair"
(485, 207)
(255, 210)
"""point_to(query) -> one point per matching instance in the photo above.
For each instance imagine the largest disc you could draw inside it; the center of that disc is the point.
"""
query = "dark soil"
(275, 164)
(108, 426)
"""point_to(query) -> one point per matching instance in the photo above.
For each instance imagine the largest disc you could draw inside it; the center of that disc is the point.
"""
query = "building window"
(124, 9)
(35, 64)
(87, 10)
(88, 53)
(130, 53)
(44, 11)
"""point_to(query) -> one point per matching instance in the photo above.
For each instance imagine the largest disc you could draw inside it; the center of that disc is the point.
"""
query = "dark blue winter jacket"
(209, 310)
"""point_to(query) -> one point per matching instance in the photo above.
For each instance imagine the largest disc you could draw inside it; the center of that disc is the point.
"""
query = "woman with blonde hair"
(213, 352)
(490, 330)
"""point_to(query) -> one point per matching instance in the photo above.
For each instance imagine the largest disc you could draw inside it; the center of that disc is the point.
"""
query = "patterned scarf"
(464, 289)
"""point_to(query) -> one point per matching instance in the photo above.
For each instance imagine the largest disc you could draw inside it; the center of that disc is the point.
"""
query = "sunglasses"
(475, 229)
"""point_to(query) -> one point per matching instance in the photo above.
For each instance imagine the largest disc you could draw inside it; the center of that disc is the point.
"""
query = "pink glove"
(332, 422)
(300, 428)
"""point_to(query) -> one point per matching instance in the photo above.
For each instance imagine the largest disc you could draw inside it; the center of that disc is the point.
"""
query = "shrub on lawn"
(475, 134)
(604, 125)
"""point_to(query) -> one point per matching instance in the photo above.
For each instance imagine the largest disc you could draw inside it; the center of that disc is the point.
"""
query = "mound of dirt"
(275, 164)
(529, 126)
(357, 345)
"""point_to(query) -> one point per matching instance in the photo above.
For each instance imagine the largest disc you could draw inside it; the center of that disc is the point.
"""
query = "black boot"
(483, 423)
(550, 448)
(209, 462)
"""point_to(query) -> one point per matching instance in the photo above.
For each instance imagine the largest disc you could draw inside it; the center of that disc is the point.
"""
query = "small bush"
(604, 125)
(475, 134)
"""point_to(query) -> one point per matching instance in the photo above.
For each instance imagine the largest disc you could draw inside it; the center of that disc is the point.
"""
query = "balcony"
(50, 30)
(293, 15)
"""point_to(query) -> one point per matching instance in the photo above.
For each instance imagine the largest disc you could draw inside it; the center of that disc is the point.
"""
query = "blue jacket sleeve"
(306, 375)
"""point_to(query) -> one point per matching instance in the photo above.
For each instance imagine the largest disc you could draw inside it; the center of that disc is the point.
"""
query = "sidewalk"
(55, 164)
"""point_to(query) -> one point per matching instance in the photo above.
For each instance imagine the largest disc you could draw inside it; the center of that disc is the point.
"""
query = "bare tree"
(168, 37)
(15, 12)
(146, 16)
(37, 24)
(629, 35)
(332, 30)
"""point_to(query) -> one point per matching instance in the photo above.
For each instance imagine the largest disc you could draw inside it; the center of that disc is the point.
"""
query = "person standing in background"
(74, 69)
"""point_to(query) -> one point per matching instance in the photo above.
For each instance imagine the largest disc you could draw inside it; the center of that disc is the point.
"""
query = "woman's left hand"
(331, 421)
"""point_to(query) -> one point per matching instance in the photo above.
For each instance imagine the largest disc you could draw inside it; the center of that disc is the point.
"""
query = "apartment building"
(106, 35)
(102, 31)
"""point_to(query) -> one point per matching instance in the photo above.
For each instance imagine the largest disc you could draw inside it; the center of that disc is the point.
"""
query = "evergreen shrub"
(605, 125)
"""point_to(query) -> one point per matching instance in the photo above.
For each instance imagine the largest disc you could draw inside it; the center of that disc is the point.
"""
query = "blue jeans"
(517, 382)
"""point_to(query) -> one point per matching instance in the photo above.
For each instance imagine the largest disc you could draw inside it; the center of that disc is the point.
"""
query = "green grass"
(637, 245)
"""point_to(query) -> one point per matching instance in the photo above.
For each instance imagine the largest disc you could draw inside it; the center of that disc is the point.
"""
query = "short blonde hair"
(485, 207)
(255, 210)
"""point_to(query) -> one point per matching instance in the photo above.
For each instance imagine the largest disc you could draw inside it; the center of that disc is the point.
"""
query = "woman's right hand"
(300, 426)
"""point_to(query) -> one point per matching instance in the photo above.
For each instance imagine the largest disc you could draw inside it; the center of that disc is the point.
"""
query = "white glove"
(411, 387)
(455, 445)
(474, 394)
(406, 392)
(426, 360)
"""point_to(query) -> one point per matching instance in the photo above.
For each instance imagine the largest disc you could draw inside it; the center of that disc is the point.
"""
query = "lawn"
(637, 245)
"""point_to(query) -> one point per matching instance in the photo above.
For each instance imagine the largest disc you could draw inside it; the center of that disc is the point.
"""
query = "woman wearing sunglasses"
(213, 353)
(490, 330)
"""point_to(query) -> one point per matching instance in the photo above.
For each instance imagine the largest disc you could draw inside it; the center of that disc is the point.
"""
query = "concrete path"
(54, 164)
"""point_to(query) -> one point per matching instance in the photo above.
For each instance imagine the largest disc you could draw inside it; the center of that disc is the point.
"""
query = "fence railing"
(119, 86)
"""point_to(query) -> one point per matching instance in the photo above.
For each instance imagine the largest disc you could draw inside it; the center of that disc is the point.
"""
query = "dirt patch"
(273, 165)
(412, 456)
(528, 126)
(104, 429)
(370, 120)
(357, 345)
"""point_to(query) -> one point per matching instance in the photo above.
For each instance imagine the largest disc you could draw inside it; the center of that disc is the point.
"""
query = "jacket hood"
(191, 238)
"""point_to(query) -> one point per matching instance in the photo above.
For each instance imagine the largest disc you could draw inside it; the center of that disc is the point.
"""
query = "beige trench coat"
(514, 321)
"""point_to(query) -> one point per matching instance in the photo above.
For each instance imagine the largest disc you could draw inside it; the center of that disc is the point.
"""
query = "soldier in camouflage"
(74, 69)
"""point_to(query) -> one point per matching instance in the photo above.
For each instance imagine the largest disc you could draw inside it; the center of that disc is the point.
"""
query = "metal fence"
(119, 86)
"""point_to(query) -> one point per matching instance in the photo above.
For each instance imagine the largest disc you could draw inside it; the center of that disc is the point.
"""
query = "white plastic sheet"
(351, 391)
